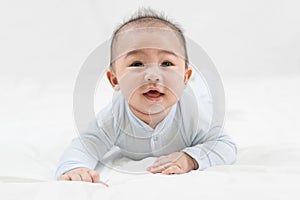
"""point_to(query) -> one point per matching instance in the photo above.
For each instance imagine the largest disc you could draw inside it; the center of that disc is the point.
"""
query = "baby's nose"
(152, 74)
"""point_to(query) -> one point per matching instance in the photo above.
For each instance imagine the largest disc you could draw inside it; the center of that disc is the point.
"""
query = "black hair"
(148, 15)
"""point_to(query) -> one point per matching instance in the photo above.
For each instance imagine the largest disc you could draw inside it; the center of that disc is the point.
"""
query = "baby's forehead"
(134, 39)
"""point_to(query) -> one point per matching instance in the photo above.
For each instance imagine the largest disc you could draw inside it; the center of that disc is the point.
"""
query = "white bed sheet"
(254, 176)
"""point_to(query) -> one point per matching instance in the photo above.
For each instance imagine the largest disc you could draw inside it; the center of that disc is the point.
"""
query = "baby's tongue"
(153, 93)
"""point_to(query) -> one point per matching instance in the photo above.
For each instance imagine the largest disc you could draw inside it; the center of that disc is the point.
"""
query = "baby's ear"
(112, 78)
(188, 74)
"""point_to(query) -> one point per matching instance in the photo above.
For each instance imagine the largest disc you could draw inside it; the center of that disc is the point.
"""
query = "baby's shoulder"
(107, 115)
(104, 116)
(193, 111)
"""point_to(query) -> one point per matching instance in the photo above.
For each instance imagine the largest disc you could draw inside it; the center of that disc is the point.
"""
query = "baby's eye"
(166, 64)
(137, 64)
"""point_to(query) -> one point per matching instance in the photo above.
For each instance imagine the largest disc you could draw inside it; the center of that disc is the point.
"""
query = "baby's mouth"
(153, 95)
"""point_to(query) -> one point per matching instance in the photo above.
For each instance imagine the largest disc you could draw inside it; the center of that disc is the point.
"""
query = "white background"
(254, 44)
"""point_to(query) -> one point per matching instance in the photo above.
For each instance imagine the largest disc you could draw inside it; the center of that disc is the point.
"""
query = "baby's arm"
(84, 153)
(215, 148)
(212, 148)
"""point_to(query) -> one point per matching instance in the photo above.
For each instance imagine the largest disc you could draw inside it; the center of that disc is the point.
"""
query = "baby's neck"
(151, 119)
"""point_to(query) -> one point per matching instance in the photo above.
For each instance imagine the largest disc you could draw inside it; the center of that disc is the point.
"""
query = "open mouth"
(153, 95)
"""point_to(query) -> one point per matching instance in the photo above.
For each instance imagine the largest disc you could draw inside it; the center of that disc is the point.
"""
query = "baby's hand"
(174, 163)
(82, 174)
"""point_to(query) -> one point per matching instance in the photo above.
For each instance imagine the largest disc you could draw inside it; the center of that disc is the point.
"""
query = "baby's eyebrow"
(139, 51)
(169, 52)
(133, 52)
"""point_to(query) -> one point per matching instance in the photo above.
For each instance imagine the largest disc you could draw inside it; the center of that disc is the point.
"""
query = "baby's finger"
(161, 161)
(158, 169)
(94, 175)
(75, 177)
(160, 158)
(171, 158)
(65, 177)
(174, 169)
(85, 176)
(96, 178)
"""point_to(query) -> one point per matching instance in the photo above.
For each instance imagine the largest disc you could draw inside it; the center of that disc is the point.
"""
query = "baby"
(153, 112)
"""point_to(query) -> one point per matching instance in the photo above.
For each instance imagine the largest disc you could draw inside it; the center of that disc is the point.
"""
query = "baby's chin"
(151, 110)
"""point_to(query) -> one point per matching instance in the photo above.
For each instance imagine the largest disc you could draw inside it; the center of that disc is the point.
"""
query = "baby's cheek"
(174, 83)
(129, 83)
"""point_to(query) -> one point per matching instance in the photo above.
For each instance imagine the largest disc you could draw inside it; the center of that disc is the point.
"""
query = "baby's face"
(150, 79)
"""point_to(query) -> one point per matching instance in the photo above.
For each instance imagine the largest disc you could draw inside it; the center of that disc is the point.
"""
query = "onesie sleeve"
(86, 150)
(212, 148)
(207, 141)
